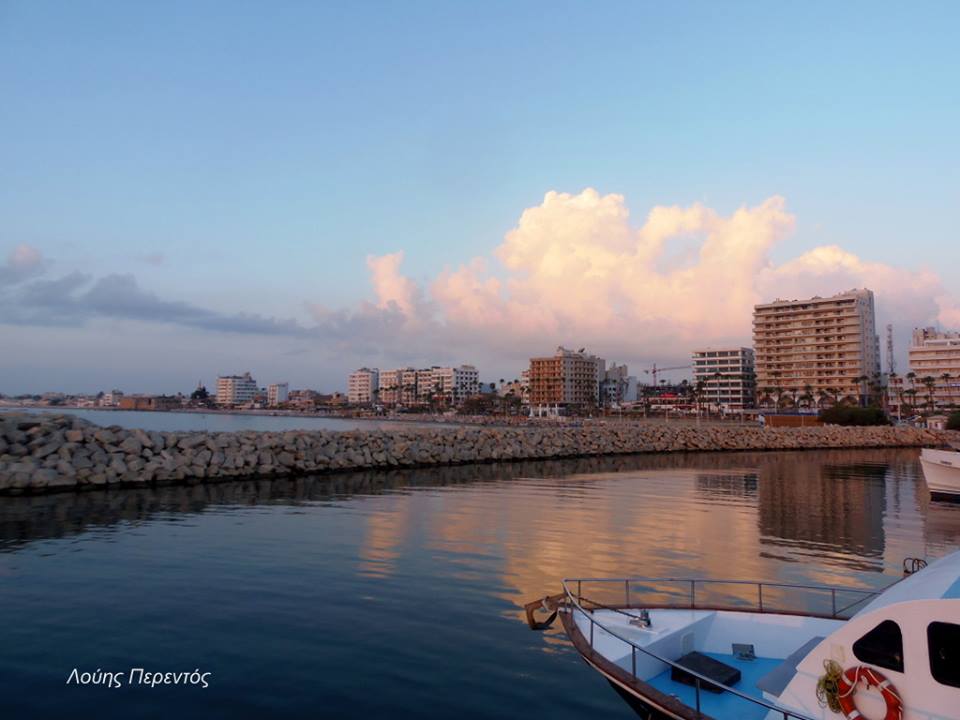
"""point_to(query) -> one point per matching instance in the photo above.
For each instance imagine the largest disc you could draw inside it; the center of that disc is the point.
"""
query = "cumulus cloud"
(576, 270)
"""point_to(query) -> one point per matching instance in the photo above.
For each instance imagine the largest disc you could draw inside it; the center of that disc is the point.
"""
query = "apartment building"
(363, 386)
(428, 387)
(617, 386)
(111, 399)
(409, 386)
(390, 386)
(728, 376)
(823, 347)
(456, 384)
(278, 393)
(935, 361)
(566, 379)
(236, 389)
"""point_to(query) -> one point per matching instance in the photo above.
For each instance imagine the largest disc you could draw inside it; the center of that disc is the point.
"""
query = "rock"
(48, 449)
(131, 446)
(105, 437)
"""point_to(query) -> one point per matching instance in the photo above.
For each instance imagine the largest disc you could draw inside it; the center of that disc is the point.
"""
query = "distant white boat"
(941, 468)
(694, 649)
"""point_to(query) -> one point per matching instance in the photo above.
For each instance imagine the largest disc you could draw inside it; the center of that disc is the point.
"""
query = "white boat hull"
(941, 469)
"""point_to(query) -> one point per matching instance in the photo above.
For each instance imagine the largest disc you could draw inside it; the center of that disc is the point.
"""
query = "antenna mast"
(891, 363)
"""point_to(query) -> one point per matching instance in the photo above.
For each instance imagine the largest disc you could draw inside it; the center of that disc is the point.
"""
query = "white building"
(935, 362)
(363, 386)
(236, 389)
(111, 399)
(456, 384)
(728, 377)
(428, 386)
(278, 393)
(390, 381)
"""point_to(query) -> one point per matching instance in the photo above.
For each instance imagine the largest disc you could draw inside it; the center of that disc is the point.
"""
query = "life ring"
(848, 687)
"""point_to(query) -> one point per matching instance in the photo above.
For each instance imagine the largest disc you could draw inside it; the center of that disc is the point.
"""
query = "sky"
(299, 189)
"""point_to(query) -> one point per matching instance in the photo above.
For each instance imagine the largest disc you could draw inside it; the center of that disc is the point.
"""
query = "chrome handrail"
(634, 647)
(694, 582)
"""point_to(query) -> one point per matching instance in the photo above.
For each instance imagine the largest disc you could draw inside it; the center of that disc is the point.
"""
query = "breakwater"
(45, 453)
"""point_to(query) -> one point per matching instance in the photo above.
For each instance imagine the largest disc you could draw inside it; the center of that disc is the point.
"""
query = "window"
(943, 644)
(882, 646)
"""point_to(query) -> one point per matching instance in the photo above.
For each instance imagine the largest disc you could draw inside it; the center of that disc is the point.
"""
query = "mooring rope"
(828, 686)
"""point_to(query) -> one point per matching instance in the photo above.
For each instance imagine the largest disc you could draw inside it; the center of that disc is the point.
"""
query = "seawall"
(47, 453)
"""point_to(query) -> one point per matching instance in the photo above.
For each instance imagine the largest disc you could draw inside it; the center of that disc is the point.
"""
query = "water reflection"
(708, 514)
(417, 576)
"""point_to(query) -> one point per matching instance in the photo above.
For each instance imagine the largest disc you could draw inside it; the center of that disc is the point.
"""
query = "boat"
(941, 469)
(700, 649)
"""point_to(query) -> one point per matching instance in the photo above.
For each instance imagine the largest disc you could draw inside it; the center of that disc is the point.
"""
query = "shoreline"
(42, 452)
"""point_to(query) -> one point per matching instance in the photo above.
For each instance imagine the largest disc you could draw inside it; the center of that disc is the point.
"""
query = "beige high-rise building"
(362, 386)
(566, 378)
(936, 355)
(821, 346)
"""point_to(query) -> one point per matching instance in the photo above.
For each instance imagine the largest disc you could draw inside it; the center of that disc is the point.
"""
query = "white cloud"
(575, 270)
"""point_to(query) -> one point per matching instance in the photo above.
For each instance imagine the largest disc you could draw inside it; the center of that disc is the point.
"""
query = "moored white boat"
(941, 469)
(693, 648)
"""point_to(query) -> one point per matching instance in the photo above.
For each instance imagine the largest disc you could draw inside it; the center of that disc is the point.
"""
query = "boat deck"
(723, 705)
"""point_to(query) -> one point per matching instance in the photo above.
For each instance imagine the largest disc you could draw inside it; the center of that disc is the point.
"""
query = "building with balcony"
(409, 386)
(363, 386)
(935, 363)
(566, 379)
(456, 384)
(236, 389)
(826, 349)
(278, 393)
(728, 378)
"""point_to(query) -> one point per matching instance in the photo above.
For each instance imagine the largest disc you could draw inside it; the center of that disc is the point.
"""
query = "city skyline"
(190, 192)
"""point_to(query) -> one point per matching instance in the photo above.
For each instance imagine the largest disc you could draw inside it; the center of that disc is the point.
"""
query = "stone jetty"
(46, 453)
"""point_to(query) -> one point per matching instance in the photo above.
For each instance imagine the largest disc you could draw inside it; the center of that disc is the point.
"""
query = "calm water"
(222, 422)
(398, 595)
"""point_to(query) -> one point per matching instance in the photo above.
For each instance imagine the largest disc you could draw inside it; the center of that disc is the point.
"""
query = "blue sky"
(246, 158)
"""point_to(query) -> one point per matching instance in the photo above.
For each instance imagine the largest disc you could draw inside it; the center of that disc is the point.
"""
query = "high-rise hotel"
(822, 347)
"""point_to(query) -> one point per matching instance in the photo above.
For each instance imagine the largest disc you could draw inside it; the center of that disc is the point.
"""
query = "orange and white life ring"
(848, 687)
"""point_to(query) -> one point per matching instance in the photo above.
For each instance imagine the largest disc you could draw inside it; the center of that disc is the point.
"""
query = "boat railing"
(573, 589)
(825, 601)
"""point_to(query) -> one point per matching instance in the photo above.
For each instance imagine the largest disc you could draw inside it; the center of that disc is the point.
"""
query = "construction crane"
(656, 370)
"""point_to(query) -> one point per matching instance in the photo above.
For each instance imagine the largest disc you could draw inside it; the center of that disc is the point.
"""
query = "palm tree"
(768, 393)
(833, 394)
(946, 386)
(912, 395)
(698, 395)
(930, 383)
(779, 391)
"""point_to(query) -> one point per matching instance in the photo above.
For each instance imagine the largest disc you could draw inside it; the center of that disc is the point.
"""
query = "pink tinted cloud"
(576, 270)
